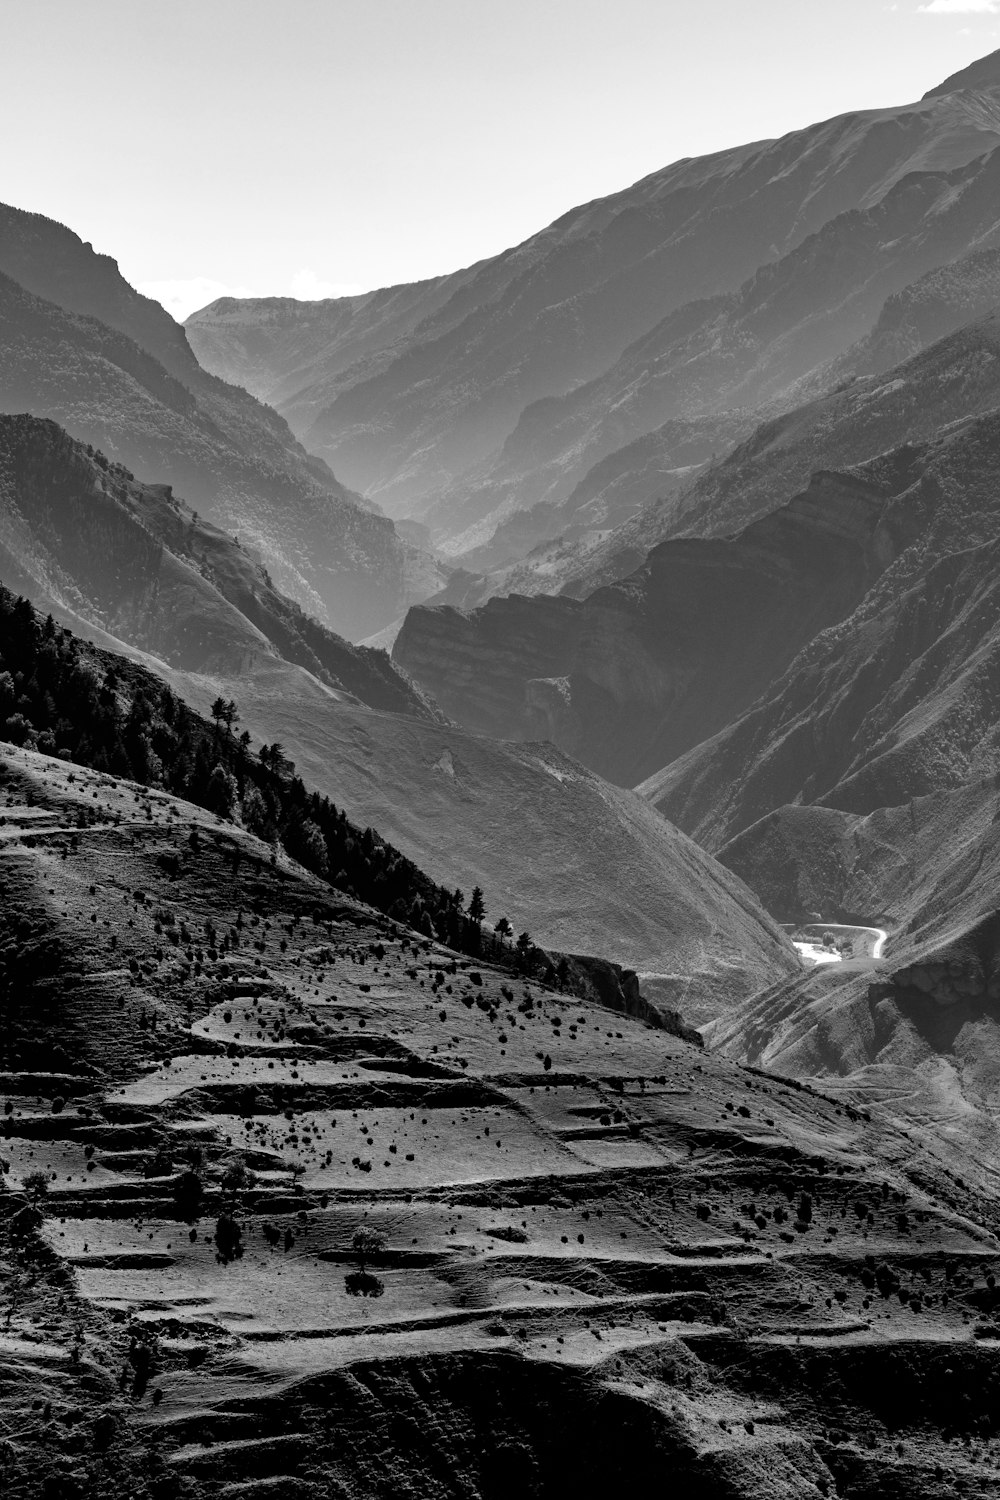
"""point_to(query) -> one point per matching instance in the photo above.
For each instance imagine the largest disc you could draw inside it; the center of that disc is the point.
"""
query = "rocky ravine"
(604, 1251)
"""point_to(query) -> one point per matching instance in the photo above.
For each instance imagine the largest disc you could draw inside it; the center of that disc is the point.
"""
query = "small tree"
(367, 1244)
(524, 948)
(218, 711)
(477, 906)
(503, 929)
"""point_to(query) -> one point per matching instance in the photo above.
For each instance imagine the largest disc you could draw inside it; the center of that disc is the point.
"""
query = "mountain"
(561, 1250)
(133, 560)
(900, 698)
(636, 673)
(716, 282)
(80, 346)
(582, 865)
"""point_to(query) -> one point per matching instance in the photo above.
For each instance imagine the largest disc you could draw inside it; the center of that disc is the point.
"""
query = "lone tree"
(218, 712)
(503, 929)
(477, 906)
(367, 1244)
(36, 1185)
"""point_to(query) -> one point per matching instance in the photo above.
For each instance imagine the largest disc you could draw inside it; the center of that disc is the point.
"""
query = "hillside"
(863, 782)
(929, 360)
(894, 702)
(633, 676)
(590, 869)
(80, 346)
(714, 282)
(597, 1250)
(694, 629)
(134, 560)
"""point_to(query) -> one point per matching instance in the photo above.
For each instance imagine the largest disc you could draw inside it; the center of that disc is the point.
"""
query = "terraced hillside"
(602, 1250)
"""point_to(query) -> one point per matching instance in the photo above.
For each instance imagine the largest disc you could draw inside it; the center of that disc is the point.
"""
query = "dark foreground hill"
(79, 345)
(597, 1252)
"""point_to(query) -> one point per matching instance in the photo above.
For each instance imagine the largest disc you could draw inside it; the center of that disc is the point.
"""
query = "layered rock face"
(479, 666)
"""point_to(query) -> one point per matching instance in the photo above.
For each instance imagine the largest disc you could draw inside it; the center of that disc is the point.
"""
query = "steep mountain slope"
(294, 355)
(747, 349)
(135, 561)
(897, 700)
(597, 1251)
(425, 426)
(650, 665)
(582, 865)
(864, 783)
(637, 673)
(80, 346)
(873, 405)
(607, 524)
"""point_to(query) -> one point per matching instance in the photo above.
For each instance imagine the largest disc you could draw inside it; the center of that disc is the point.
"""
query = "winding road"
(815, 953)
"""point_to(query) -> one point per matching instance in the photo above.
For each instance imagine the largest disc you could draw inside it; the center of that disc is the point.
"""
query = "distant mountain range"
(715, 284)
(822, 654)
(81, 346)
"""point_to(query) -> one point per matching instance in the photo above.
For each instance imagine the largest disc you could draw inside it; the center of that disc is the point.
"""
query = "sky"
(313, 148)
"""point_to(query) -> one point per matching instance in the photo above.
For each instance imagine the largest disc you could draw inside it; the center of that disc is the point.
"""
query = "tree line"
(66, 698)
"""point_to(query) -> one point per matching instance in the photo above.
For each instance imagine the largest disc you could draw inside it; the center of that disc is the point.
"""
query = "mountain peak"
(984, 73)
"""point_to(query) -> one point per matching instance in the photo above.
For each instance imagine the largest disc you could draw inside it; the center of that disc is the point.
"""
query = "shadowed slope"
(132, 559)
(83, 347)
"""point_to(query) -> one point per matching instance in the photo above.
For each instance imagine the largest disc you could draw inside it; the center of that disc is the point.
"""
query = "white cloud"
(960, 8)
(181, 298)
(308, 287)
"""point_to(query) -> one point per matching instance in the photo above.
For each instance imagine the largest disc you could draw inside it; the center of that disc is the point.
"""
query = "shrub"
(36, 1185)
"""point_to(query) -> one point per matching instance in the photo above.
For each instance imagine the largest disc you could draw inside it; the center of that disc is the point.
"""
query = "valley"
(500, 825)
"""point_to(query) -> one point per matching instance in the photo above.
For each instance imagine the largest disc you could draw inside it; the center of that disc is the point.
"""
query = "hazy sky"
(306, 147)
